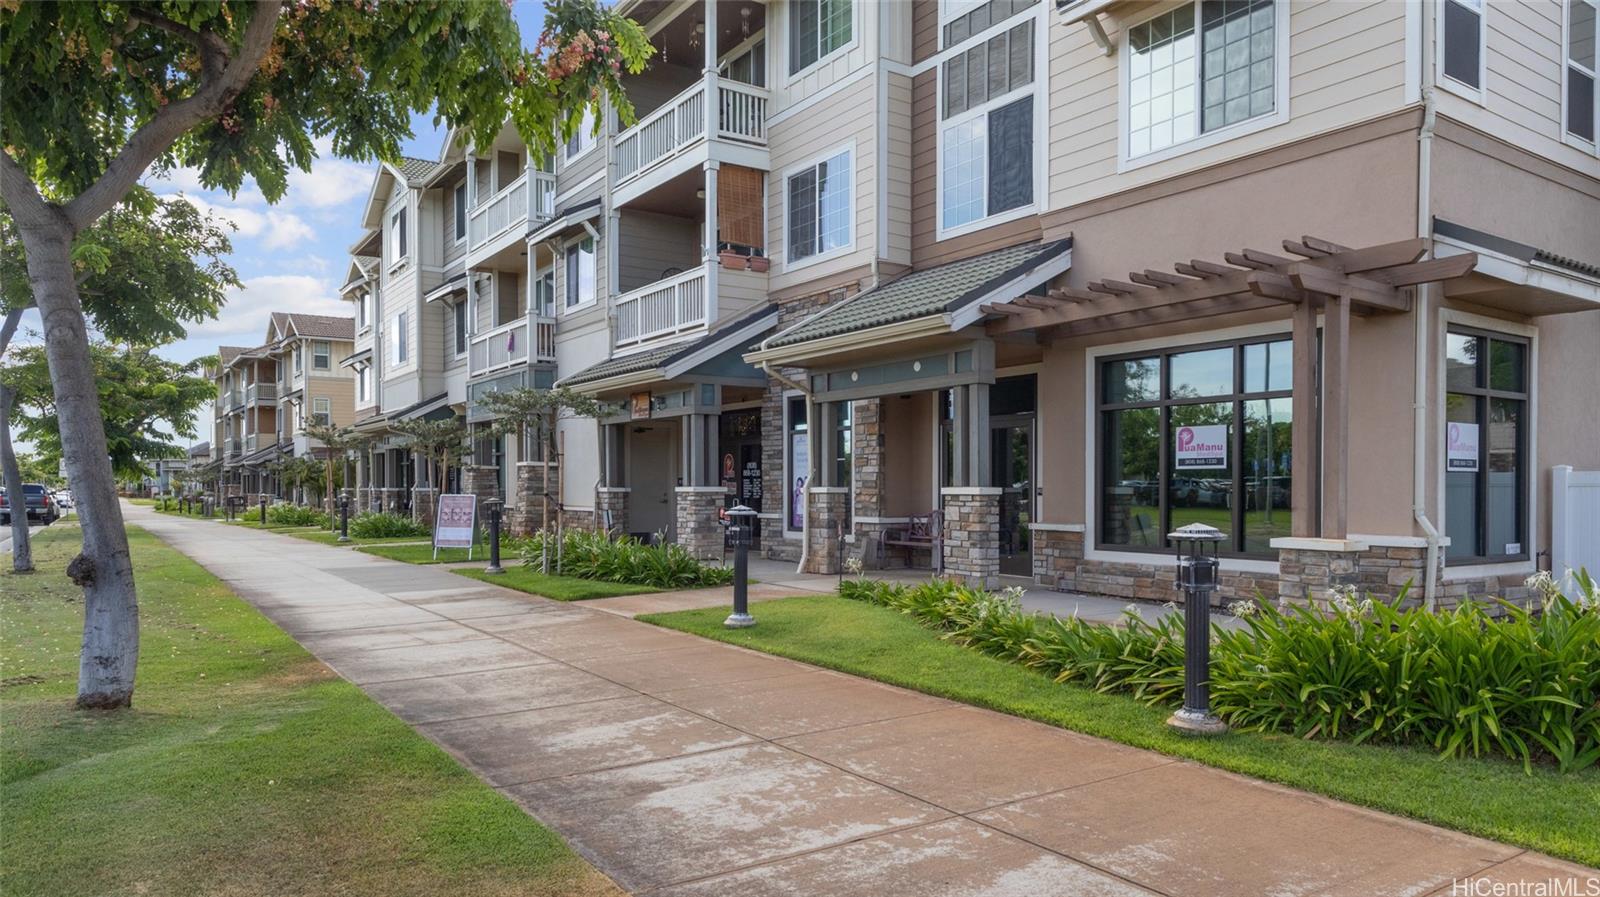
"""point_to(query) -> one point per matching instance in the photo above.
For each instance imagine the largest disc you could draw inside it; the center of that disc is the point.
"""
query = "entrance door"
(1011, 460)
(652, 474)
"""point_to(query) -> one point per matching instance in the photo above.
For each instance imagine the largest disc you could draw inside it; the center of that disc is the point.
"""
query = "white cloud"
(244, 319)
(276, 229)
(330, 182)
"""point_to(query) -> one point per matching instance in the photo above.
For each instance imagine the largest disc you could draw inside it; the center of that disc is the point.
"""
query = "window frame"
(790, 429)
(458, 196)
(361, 383)
(460, 319)
(1450, 83)
(1526, 476)
(1238, 397)
(322, 417)
(402, 339)
(796, 73)
(586, 136)
(1203, 139)
(363, 302)
(321, 355)
(1591, 147)
(790, 263)
(568, 283)
(399, 236)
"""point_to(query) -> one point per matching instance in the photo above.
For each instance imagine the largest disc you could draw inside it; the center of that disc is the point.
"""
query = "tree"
(527, 411)
(337, 442)
(436, 441)
(96, 93)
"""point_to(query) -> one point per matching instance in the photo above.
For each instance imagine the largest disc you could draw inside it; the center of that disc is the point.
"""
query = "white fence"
(1575, 520)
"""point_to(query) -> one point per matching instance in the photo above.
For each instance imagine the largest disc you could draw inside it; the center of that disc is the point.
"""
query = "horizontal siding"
(788, 90)
(453, 251)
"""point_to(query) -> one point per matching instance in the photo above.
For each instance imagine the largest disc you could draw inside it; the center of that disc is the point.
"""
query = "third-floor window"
(1583, 33)
(986, 136)
(818, 27)
(817, 204)
(397, 234)
(321, 355)
(581, 273)
(459, 197)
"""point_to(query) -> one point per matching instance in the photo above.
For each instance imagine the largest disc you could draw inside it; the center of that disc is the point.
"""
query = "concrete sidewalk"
(684, 766)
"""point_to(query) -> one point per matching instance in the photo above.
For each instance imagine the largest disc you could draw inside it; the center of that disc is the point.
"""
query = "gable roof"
(314, 326)
(414, 169)
(226, 354)
(941, 289)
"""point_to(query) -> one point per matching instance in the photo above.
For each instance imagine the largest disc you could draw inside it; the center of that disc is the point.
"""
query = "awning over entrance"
(436, 408)
(1515, 276)
(714, 358)
(937, 300)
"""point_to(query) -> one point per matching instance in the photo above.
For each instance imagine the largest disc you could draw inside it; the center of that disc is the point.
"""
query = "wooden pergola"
(1325, 277)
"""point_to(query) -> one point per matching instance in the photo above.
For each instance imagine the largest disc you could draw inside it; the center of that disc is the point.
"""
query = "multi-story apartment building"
(1068, 277)
(268, 395)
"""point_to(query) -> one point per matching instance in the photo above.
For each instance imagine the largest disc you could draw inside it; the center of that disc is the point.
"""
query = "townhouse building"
(1017, 288)
(269, 394)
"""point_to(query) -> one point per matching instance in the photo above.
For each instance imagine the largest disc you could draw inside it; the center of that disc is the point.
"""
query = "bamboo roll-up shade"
(739, 203)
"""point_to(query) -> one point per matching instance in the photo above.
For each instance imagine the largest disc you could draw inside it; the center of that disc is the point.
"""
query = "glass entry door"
(1011, 460)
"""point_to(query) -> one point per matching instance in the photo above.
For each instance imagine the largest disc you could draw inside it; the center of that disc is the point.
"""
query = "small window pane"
(1131, 483)
(1161, 68)
(1134, 380)
(803, 214)
(1239, 65)
(833, 203)
(1461, 361)
(1267, 469)
(1504, 437)
(1580, 104)
(1461, 26)
(1505, 366)
(1461, 487)
(1268, 366)
(1581, 33)
(1011, 156)
(964, 156)
(1201, 495)
(1205, 373)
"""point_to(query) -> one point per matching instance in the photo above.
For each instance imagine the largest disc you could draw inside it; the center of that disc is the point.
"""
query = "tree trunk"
(104, 568)
(21, 546)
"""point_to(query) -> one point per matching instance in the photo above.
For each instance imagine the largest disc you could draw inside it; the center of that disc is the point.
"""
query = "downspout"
(811, 460)
(1419, 404)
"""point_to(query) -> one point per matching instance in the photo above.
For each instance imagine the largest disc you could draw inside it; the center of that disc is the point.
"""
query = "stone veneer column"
(699, 530)
(423, 501)
(971, 535)
(615, 500)
(1057, 553)
(825, 506)
(480, 480)
(534, 478)
(1310, 570)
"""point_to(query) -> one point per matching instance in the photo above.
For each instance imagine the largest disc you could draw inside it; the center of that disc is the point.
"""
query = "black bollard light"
(494, 505)
(740, 528)
(1197, 577)
(263, 509)
(344, 518)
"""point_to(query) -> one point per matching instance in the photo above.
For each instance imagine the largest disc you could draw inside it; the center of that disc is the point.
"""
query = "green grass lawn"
(423, 553)
(327, 538)
(561, 588)
(245, 768)
(1545, 811)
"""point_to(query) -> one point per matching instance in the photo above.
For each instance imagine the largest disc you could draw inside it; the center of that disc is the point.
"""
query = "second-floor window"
(459, 197)
(397, 235)
(986, 143)
(1460, 45)
(321, 355)
(581, 272)
(818, 207)
(1201, 68)
(1583, 33)
(459, 310)
(583, 139)
(322, 410)
(818, 28)
(402, 338)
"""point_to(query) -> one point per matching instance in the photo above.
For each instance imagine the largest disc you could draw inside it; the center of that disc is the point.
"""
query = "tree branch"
(223, 79)
(9, 328)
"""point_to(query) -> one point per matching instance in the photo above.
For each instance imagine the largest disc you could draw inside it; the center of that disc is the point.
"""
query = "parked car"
(63, 498)
(38, 503)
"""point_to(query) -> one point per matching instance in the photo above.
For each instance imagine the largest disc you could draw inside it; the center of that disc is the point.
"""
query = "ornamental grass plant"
(1484, 678)
(295, 515)
(386, 525)
(589, 555)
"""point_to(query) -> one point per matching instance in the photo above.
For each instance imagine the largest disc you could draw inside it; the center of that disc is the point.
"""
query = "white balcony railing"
(512, 207)
(662, 308)
(261, 392)
(501, 347)
(740, 113)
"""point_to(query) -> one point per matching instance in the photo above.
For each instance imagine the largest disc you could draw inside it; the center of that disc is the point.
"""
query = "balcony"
(738, 118)
(507, 346)
(502, 219)
(261, 393)
(235, 399)
(232, 445)
(253, 442)
(664, 308)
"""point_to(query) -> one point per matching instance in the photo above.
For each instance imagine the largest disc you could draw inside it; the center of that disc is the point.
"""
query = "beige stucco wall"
(908, 433)
(1568, 385)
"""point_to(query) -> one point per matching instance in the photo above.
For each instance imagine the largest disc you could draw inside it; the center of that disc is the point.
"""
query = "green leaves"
(588, 555)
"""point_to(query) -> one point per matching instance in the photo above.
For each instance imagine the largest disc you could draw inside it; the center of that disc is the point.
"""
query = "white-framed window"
(459, 197)
(322, 410)
(1201, 73)
(987, 150)
(321, 355)
(402, 338)
(747, 66)
(584, 139)
(362, 298)
(796, 462)
(361, 383)
(459, 312)
(399, 240)
(1460, 46)
(544, 292)
(1580, 102)
(817, 29)
(295, 353)
(582, 273)
(819, 207)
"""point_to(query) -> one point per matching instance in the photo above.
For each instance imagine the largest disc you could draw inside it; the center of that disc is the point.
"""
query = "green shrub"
(384, 525)
(1521, 685)
(589, 555)
(295, 515)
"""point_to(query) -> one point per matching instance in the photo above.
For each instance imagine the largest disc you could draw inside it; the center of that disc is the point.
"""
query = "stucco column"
(971, 535)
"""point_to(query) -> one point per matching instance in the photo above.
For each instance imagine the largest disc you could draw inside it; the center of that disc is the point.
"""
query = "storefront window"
(1485, 441)
(797, 450)
(1197, 435)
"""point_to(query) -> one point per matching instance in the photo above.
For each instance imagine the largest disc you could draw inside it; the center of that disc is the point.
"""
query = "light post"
(344, 518)
(263, 510)
(740, 526)
(1197, 577)
(493, 505)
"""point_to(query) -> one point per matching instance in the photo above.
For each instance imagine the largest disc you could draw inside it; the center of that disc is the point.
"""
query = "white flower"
(1242, 608)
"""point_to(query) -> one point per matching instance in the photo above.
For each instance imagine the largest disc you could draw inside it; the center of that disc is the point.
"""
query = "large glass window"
(1486, 403)
(842, 450)
(797, 451)
(1182, 85)
(1197, 435)
(986, 141)
(819, 205)
(581, 272)
(819, 28)
(1583, 34)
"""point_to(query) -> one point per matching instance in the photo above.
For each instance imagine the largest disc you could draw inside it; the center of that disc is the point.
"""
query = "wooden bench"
(922, 532)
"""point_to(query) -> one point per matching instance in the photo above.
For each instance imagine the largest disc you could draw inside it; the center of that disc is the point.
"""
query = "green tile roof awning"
(942, 289)
(678, 358)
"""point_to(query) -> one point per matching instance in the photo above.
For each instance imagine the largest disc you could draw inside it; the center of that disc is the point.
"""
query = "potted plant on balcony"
(759, 262)
(731, 260)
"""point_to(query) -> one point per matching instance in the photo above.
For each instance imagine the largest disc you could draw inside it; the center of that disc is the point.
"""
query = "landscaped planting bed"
(588, 555)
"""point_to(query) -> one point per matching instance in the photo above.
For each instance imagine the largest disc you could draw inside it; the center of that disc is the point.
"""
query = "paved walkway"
(682, 766)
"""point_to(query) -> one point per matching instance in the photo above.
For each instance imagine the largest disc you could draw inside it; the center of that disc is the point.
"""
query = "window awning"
(941, 299)
(716, 355)
(356, 359)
